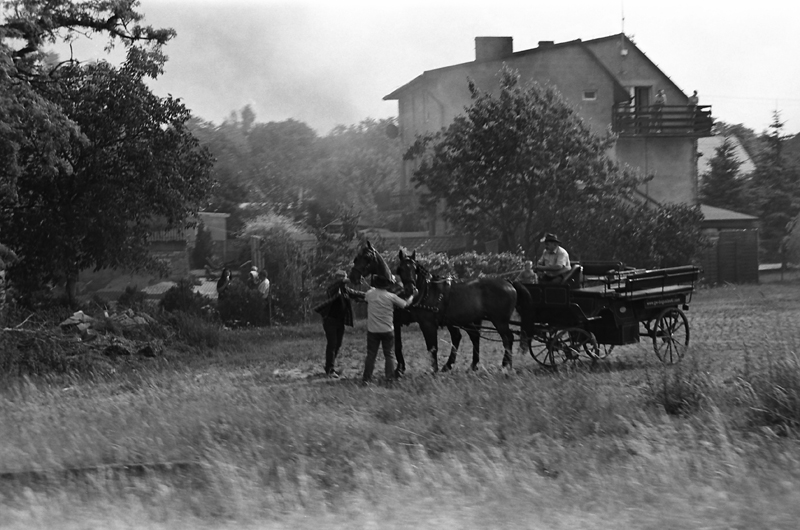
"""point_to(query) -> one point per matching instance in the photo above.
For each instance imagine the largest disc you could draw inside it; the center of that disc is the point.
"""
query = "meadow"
(250, 435)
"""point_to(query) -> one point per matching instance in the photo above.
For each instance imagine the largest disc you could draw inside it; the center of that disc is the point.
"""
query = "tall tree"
(775, 186)
(721, 185)
(113, 157)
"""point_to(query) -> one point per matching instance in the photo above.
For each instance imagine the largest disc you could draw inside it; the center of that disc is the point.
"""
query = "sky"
(331, 62)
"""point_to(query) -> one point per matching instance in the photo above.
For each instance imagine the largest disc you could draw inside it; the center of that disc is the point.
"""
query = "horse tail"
(524, 304)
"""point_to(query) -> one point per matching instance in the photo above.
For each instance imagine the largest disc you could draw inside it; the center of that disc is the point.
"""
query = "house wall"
(669, 160)
(635, 68)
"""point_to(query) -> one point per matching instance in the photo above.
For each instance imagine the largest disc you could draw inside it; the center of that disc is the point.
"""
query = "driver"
(554, 263)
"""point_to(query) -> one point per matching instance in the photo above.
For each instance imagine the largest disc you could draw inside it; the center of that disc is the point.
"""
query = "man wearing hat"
(554, 263)
(337, 312)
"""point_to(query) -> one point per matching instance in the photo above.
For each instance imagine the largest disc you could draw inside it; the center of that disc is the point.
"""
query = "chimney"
(493, 48)
(546, 43)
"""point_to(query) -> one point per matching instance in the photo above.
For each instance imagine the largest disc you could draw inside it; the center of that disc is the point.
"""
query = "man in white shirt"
(380, 325)
(554, 263)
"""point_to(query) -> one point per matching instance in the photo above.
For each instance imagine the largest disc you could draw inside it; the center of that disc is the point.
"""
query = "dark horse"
(442, 302)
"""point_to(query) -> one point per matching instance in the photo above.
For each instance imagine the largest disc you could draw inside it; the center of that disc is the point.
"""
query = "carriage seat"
(574, 277)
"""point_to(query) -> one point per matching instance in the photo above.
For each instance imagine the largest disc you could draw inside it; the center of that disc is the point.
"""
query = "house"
(609, 82)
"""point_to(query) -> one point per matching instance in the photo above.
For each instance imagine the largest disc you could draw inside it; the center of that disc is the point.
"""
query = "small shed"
(733, 255)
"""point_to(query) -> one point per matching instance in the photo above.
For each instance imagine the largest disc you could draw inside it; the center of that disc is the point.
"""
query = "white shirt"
(380, 310)
(559, 257)
(263, 288)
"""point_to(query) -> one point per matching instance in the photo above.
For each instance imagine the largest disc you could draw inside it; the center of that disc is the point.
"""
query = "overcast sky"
(331, 62)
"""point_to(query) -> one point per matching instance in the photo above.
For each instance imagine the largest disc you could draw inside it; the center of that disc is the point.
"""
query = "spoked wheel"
(604, 350)
(559, 346)
(671, 335)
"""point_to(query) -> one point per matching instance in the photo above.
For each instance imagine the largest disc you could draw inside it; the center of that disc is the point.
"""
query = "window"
(589, 95)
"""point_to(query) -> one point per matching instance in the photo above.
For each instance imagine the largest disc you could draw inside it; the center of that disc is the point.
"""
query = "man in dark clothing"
(337, 312)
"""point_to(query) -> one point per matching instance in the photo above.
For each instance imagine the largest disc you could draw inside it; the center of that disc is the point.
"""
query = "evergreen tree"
(721, 185)
(775, 187)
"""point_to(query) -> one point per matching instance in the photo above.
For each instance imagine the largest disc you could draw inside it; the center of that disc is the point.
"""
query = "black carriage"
(600, 305)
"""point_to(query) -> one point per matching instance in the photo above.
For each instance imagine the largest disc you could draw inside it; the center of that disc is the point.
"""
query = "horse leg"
(508, 342)
(475, 336)
(429, 331)
(455, 340)
(398, 347)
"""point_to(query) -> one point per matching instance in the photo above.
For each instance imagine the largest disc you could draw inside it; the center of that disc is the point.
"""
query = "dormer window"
(590, 95)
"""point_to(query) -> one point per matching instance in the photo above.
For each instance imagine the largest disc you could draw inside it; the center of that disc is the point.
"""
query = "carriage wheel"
(604, 350)
(564, 345)
(671, 335)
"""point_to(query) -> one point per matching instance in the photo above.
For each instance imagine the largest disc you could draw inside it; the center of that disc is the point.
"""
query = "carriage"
(600, 305)
(596, 306)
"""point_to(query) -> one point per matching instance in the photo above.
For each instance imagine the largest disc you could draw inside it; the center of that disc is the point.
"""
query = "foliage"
(286, 262)
(775, 190)
(721, 185)
(518, 164)
(203, 248)
(465, 266)
(358, 170)
(182, 297)
(241, 306)
(132, 297)
(101, 158)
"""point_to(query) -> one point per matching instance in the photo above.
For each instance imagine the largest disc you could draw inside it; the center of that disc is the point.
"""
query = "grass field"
(251, 436)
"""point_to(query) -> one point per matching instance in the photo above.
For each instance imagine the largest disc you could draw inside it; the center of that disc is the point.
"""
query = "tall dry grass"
(249, 446)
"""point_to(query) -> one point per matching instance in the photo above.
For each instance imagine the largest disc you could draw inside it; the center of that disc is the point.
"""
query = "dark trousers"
(375, 340)
(334, 333)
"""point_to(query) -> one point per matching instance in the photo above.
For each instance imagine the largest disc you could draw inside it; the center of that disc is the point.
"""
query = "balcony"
(667, 121)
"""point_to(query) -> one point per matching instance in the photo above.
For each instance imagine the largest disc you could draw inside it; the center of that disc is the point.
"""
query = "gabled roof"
(435, 73)
(629, 42)
(720, 218)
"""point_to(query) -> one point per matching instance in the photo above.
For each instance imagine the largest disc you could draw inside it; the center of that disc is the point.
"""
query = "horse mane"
(386, 272)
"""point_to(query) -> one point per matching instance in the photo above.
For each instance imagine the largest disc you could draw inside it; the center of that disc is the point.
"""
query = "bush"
(240, 306)
(182, 297)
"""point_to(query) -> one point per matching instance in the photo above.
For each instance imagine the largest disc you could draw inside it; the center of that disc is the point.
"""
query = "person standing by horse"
(336, 312)
(554, 263)
(380, 325)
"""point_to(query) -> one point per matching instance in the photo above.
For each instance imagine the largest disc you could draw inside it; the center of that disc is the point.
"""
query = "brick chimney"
(493, 48)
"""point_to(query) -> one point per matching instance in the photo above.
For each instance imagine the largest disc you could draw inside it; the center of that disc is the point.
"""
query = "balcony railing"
(668, 120)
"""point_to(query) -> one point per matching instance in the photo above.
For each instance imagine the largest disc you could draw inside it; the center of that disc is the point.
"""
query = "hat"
(341, 273)
(551, 237)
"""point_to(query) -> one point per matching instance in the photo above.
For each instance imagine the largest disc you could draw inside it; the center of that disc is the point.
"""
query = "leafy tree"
(522, 163)
(721, 185)
(104, 158)
(519, 164)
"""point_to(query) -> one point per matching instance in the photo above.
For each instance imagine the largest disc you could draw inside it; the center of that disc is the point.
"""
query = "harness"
(429, 299)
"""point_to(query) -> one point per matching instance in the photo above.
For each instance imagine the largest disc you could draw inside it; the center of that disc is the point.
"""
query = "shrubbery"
(240, 306)
(182, 297)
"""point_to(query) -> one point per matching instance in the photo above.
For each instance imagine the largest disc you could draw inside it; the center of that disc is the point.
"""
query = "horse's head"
(369, 262)
(409, 271)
